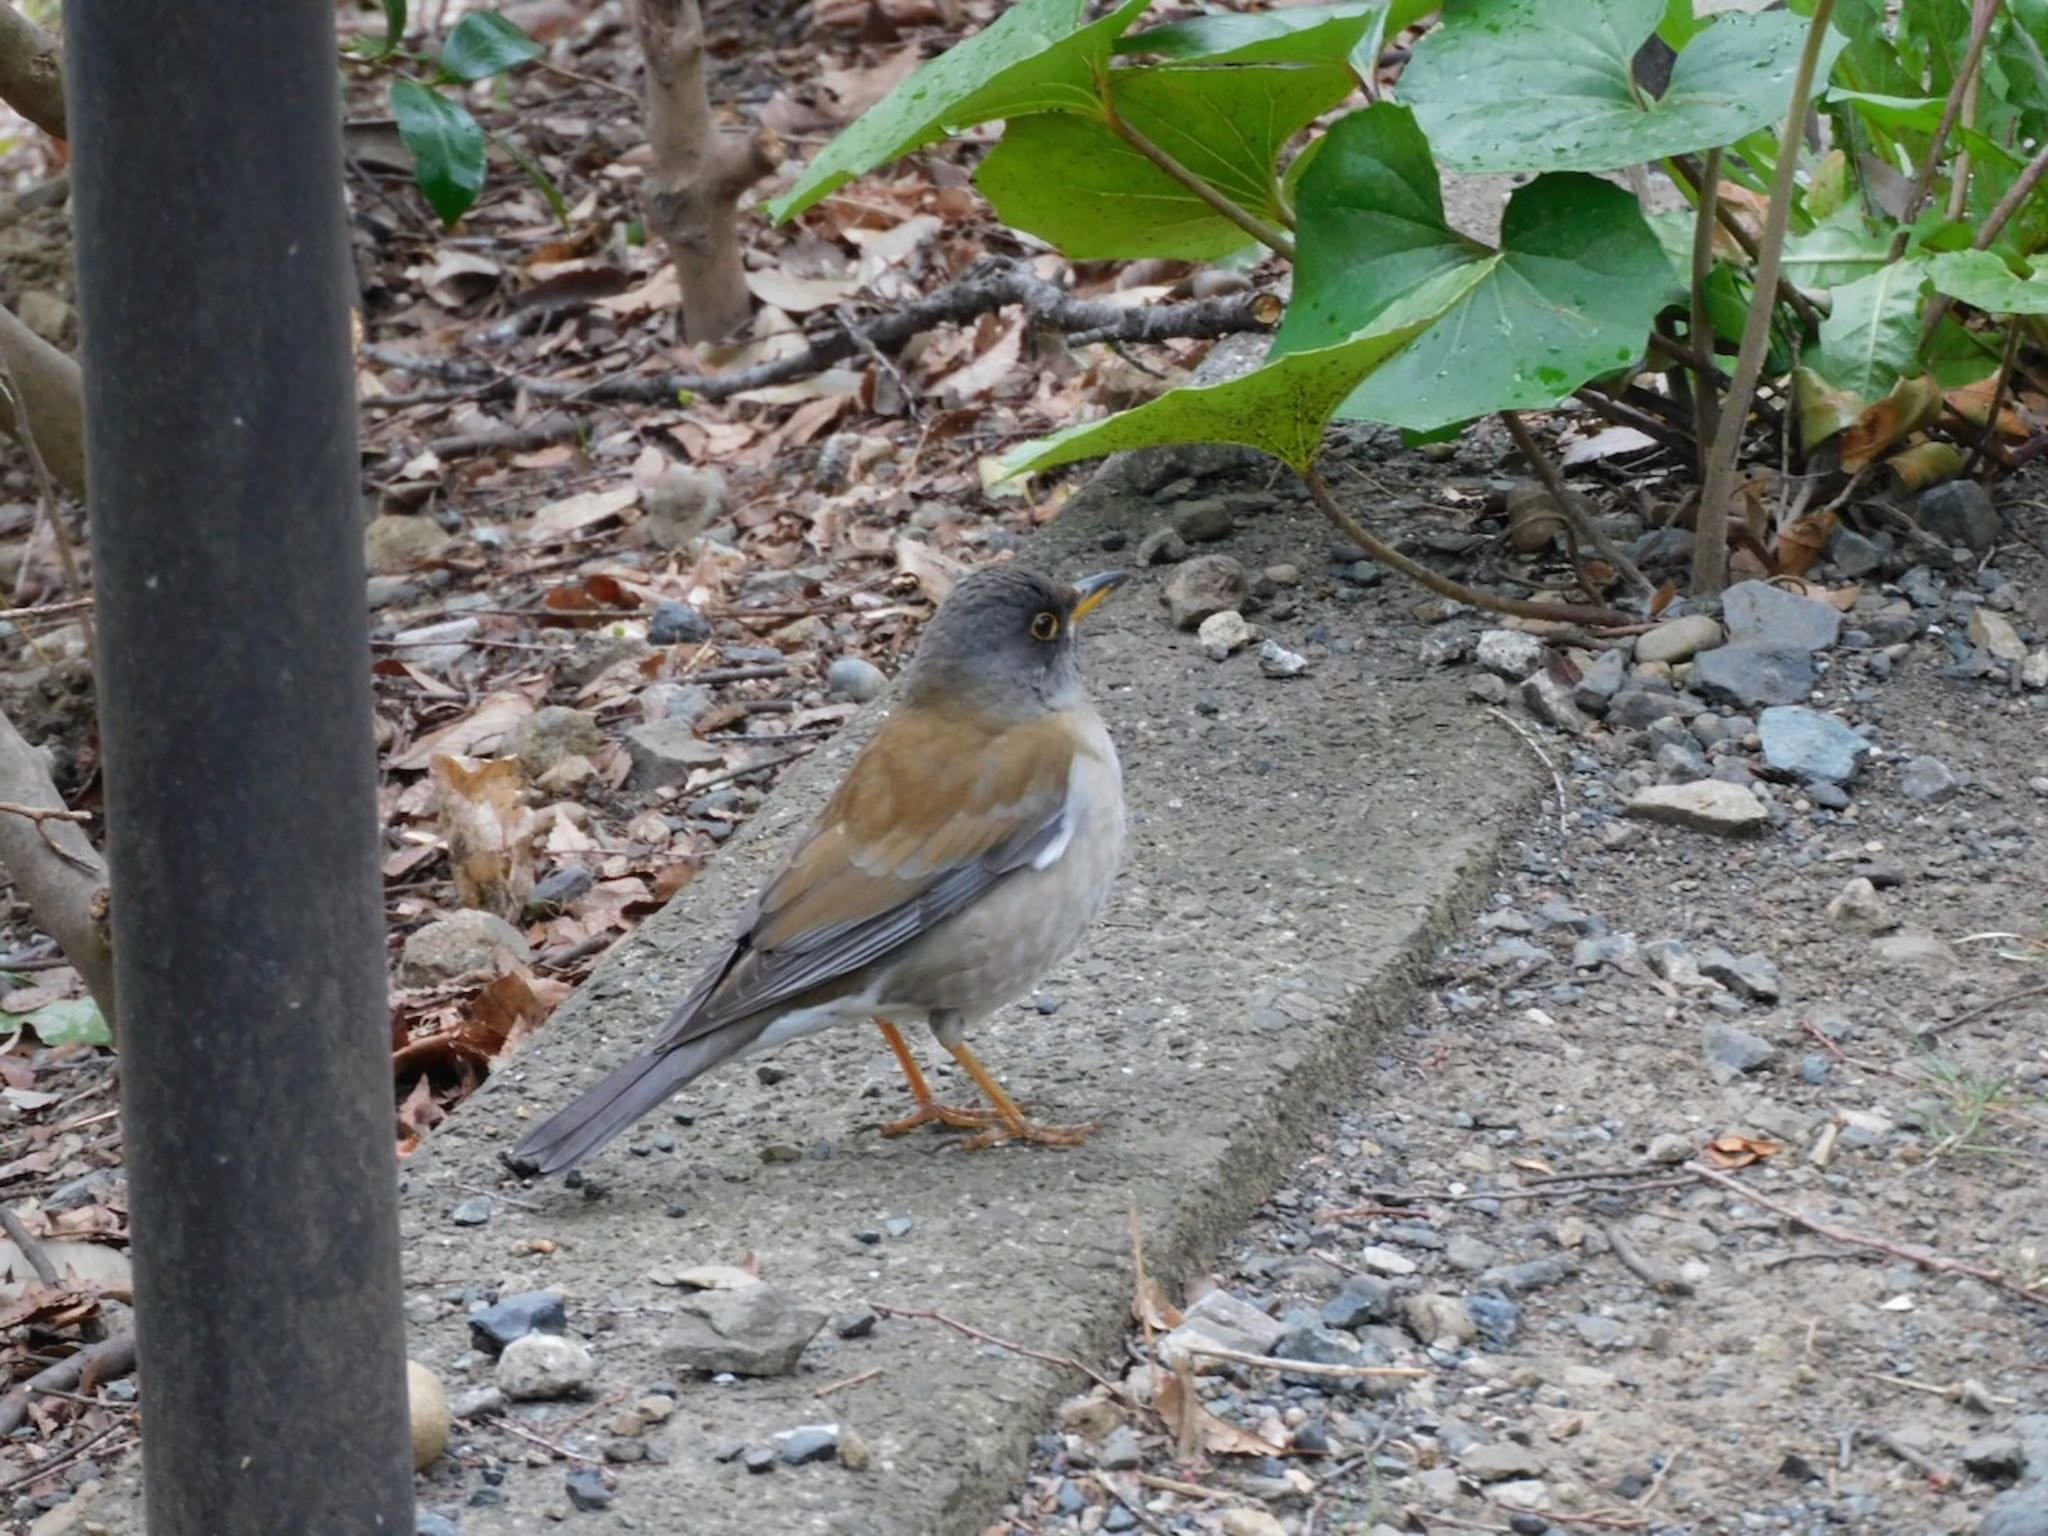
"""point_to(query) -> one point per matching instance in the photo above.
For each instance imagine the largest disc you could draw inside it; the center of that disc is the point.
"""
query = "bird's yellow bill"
(1093, 589)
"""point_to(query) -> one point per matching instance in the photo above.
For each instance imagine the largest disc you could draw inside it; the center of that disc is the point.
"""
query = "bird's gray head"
(1003, 642)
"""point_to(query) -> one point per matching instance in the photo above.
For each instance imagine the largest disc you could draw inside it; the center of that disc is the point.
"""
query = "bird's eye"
(1045, 627)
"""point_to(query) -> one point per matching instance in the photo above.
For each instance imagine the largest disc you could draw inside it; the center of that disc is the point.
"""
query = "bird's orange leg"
(1011, 1124)
(929, 1111)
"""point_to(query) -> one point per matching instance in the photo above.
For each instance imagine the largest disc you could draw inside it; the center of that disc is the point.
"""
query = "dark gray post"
(213, 278)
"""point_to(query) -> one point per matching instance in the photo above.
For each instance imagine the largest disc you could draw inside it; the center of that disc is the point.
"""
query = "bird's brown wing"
(935, 810)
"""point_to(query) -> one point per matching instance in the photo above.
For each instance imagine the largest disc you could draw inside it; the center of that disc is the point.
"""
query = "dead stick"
(848, 1381)
(102, 1362)
(1832, 1233)
(1301, 1367)
(2021, 996)
(1067, 1362)
(1568, 506)
(1655, 1276)
(31, 1250)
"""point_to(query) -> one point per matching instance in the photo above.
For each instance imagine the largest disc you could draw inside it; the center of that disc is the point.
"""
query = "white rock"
(1225, 1321)
(1705, 805)
(2034, 670)
(428, 1403)
(1275, 660)
(1995, 633)
(544, 1365)
(1510, 653)
(1679, 639)
(1223, 634)
(1859, 906)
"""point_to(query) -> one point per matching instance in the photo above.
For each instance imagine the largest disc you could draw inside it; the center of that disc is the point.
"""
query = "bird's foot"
(1020, 1129)
(931, 1112)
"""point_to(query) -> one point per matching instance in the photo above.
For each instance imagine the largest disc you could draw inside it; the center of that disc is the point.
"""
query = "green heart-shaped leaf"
(1072, 182)
(1568, 297)
(1983, 280)
(1534, 85)
(485, 44)
(1029, 60)
(1870, 336)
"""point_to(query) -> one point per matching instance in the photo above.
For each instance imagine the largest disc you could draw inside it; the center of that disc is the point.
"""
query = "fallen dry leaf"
(1740, 1151)
(1197, 1431)
(489, 831)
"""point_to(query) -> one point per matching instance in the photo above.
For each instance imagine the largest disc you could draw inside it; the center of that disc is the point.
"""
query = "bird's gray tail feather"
(620, 1098)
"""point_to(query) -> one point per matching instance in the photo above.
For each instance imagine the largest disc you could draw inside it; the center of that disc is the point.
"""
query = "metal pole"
(213, 277)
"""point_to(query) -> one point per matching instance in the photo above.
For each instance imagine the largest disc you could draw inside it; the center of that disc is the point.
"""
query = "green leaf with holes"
(1983, 280)
(485, 44)
(1031, 59)
(1074, 183)
(1568, 297)
(447, 147)
(1535, 85)
(1280, 408)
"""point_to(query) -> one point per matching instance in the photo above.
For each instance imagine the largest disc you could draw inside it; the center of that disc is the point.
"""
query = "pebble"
(857, 1324)
(855, 678)
(1202, 586)
(1275, 660)
(1758, 612)
(759, 1331)
(1857, 905)
(1550, 701)
(677, 624)
(1364, 1299)
(667, 751)
(1679, 639)
(473, 1212)
(1752, 975)
(1600, 680)
(1204, 521)
(1707, 805)
(1121, 1451)
(1222, 634)
(1732, 1051)
(808, 1443)
(1959, 512)
(1162, 546)
(1510, 653)
(587, 1491)
(1995, 632)
(541, 1366)
(1247, 1521)
(513, 1317)
(760, 1458)
(1809, 745)
(1928, 780)
(557, 889)
(455, 945)
(1500, 1461)
(1854, 555)
(1748, 674)
(1440, 1321)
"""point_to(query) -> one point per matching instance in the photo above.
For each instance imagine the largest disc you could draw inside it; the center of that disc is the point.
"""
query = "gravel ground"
(1540, 1198)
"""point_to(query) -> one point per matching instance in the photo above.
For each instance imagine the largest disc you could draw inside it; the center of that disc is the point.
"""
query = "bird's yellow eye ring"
(1046, 626)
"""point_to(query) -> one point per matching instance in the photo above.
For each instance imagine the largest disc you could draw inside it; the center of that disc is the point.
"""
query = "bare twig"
(1981, 13)
(2025, 994)
(849, 1381)
(1989, 435)
(1710, 552)
(1706, 412)
(1809, 312)
(1992, 227)
(1568, 508)
(1922, 1257)
(1622, 414)
(98, 1362)
(1884, 1439)
(532, 1436)
(68, 1457)
(1656, 1276)
(740, 773)
(31, 1249)
(1066, 1362)
(1443, 586)
(1543, 757)
(1302, 1367)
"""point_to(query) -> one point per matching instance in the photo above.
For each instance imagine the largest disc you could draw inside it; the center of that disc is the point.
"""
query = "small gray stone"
(1752, 975)
(1747, 674)
(1275, 660)
(855, 678)
(1707, 805)
(587, 1490)
(682, 502)
(394, 542)
(759, 1459)
(666, 752)
(1223, 634)
(1770, 616)
(1679, 639)
(1499, 1461)
(1225, 1321)
(1995, 1458)
(808, 1443)
(760, 1330)
(1202, 586)
(1320, 1346)
(1444, 648)
(427, 1523)
(1995, 632)
(1485, 688)
(511, 1318)
(1121, 1451)
(1162, 546)
(1599, 1332)
(1510, 653)
(676, 623)
(1859, 906)
(1204, 521)
(1959, 512)
(1601, 681)
(558, 889)
(1439, 1321)
(1809, 745)
(473, 1212)
(455, 945)
(2021, 1511)
(540, 1366)
(1854, 555)
(552, 734)
(1637, 709)
(1928, 780)
(1550, 701)
(688, 702)
(1364, 1299)
(1732, 1051)
(856, 1324)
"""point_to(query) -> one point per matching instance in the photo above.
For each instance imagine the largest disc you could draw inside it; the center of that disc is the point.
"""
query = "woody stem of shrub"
(1993, 225)
(1687, 170)
(1710, 552)
(1569, 509)
(1706, 415)
(1959, 92)
(1443, 586)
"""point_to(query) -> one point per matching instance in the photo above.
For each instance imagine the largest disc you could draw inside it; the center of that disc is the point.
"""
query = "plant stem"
(1689, 173)
(1959, 182)
(1568, 506)
(1443, 586)
(1993, 225)
(1965, 82)
(1622, 414)
(1710, 552)
(1705, 413)
(1990, 433)
(1243, 218)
